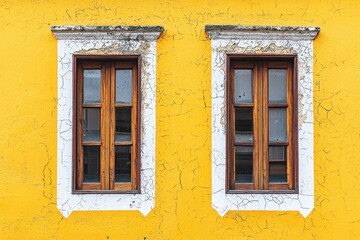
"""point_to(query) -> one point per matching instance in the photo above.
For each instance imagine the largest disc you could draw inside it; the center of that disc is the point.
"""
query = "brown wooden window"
(262, 124)
(107, 120)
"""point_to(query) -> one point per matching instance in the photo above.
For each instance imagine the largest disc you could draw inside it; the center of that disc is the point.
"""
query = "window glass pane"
(243, 86)
(122, 163)
(91, 160)
(92, 82)
(277, 164)
(244, 125)
(277, 86)
(123, 86)
(91, 127)
(243, 164)
(122, 124)
(277, 125)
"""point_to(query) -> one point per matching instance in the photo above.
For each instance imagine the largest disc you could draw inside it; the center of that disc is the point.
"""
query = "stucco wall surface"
(183, 188)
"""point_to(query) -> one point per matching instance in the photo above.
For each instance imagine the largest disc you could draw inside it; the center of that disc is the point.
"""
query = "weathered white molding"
(99, 40)
(150, 33)
(261, 32)
(225, 44)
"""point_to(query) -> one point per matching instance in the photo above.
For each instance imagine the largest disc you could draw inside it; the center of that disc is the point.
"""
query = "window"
(248, 170)
(261, 152)
(107, 133)
(106, 48)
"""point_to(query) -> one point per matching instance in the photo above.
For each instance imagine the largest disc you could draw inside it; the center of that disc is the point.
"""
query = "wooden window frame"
(109, 63)
(261, 183)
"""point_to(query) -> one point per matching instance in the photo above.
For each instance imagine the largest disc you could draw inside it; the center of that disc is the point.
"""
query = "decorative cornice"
(261, 32)
(150, 33)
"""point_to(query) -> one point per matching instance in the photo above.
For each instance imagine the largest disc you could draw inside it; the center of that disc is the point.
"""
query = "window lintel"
(150, 33)
(261, 32)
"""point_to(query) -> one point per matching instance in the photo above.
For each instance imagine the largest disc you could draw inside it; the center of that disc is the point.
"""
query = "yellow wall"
(28, 92)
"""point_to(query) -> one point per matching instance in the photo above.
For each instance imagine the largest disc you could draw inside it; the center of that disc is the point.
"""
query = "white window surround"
(228, 39)
(103, 40)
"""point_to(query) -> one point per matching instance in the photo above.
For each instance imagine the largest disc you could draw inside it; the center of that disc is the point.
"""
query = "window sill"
(106, 192)
(262, 192)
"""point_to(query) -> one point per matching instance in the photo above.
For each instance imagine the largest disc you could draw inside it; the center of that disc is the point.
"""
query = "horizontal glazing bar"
(278, 143)
(125, 105)
(91, 143)
(244, 144)
(278, 105)
(129, 143)
(243, 105)
(92, 105)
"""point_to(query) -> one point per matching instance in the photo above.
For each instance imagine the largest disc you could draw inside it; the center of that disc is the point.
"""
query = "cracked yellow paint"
(28, 75)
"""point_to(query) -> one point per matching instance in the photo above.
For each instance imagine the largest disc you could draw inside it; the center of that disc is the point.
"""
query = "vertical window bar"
(264, 175)
(134, 124)
(112, 128)
(256, 117)
(230, 128)
(290, 120)
(104, 130)
(79, 123)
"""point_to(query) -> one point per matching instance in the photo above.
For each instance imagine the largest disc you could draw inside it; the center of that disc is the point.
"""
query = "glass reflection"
(277, 86)
(277, 125)
(91, 167)
(92, 82)
(243, 164)
(123, 124)
(91, 126)
(244, 125)
(123, 86)
(243, 86)
(277, 164)
(122, 163)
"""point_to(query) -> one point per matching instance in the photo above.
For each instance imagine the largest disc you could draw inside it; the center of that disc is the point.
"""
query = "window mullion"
(260, 125)
(102, 127)
(112, 129)
(105, 123)
(265, 126)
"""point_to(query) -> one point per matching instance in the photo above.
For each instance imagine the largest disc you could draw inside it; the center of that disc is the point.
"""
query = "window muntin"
(260, 139)
(107, 131)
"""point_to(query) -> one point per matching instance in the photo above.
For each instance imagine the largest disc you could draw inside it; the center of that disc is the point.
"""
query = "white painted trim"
(66, 200)
(304, 200)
